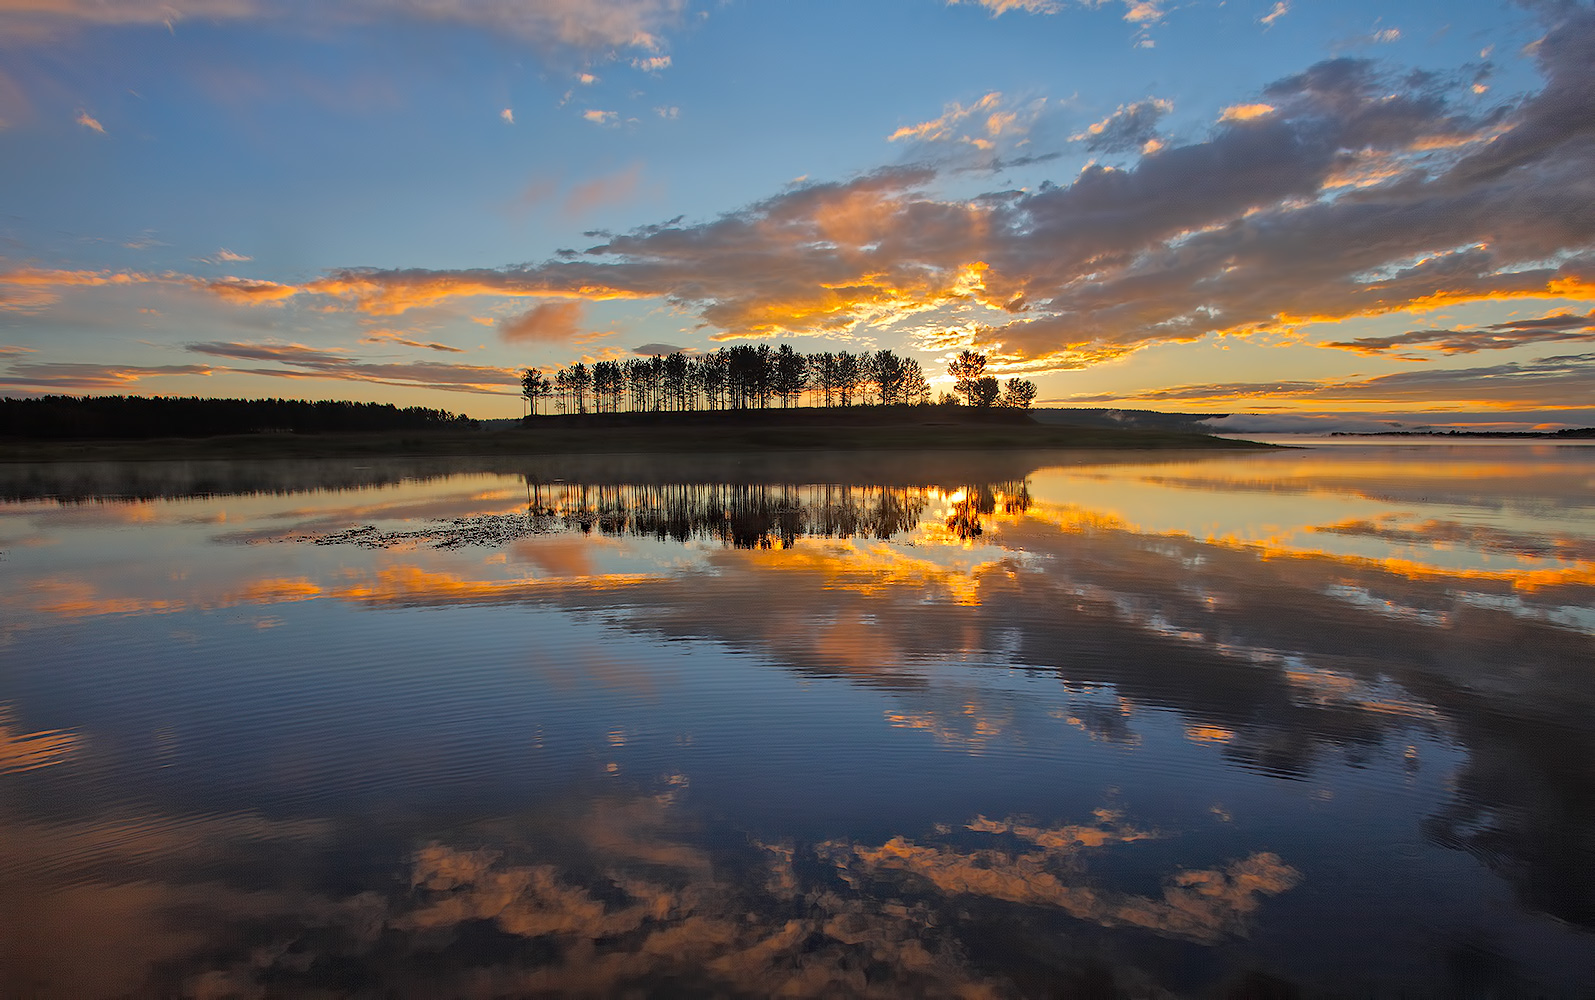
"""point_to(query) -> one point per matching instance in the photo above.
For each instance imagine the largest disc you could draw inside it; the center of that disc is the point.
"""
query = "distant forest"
(128, 417)
(753, 378)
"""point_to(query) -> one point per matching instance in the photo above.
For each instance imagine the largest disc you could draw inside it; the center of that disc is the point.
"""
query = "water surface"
(930, 725)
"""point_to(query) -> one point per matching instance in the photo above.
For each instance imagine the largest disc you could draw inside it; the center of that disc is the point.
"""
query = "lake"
(1307, 722)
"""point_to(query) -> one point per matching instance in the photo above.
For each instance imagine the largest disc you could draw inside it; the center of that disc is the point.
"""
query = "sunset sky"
(1294, 208)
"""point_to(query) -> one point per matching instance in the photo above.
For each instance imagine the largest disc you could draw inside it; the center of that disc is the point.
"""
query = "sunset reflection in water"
(953, 725)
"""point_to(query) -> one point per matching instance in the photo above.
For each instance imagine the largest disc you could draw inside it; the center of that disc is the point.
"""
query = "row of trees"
(747, 377)
(66, 417)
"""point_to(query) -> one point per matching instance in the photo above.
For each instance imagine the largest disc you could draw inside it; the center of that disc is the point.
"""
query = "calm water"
(908, 725)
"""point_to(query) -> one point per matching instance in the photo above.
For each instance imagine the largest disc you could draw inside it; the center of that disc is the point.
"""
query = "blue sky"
(1275, 207)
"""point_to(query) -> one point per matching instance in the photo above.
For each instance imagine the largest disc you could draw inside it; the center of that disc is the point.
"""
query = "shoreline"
(562, 436)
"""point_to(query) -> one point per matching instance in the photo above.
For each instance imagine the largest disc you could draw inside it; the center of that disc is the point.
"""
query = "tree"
(984, 391)
(1019, 393)
(791, 375)
(849, 373)
(581, 379)
(887, 371)
(674, 377)
(534, 387)
(915, 388)
(967, 369)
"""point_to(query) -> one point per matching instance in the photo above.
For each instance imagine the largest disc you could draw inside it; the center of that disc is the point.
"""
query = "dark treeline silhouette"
(759, 515)
(755, 378)
(125, 417)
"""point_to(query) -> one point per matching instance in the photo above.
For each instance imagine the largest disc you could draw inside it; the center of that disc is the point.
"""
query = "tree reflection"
(740, 515)
(964, 519)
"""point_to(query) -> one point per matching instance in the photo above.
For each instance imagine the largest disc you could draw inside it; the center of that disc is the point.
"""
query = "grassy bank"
(683, 433)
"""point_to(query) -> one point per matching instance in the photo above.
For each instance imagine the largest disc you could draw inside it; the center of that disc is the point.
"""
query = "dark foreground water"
(1316, 722)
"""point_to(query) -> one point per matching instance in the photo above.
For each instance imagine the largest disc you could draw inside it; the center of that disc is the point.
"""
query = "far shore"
(685, 433)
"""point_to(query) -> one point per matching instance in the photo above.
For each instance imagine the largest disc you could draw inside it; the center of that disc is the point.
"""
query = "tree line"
(128, 417)
(747, 377)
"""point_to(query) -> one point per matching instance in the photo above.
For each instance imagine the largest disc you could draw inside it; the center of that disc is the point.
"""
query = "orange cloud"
(28, 289)
(1245, 112)
(548, 323)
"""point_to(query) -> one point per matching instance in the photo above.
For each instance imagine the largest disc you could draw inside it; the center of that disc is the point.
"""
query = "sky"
(1316, 215)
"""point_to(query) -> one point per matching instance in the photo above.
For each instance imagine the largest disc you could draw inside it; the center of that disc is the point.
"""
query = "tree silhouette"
(1019, 393)
(967, 370)
(534, 387)
(984, 392)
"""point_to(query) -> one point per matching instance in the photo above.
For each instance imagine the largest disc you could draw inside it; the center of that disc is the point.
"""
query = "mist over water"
(1000, 725)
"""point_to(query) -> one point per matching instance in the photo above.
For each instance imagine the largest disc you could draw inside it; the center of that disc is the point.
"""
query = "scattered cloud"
(1132, 126)
(1001, 7)
(586, 79)
(601, 117)
(508, 114)
(89, 121)
(651, 64)
(1143, 12)
(547, 323)
(224, 256)
(950, 123)
(668, 111)
(1279, 10)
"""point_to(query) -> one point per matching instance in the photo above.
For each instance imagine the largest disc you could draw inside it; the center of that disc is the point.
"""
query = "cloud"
(663, 350)
(651, 64)
(577, 24)
(247, 291)
(69, 377)
(602, 191)
(227, 256)
(1001, 7)
(1327, 422)
(508, 114)
(1132, 126)
(89, 121)
(1561, 326)
(29, 289)
(1245, 112)
(390, 337)
(1279, 10)
(601, 117)
(1567, 380)
(947, 125)
(548, 323)
(303, 362)
(1143, 11)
